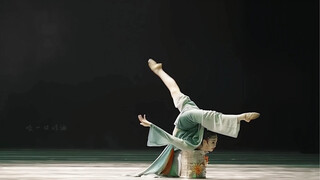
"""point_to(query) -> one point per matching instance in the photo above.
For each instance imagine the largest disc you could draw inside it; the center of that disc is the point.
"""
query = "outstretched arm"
(159, 137)
(143, 121)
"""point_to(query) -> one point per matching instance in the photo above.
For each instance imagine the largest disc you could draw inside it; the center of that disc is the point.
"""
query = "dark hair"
(209, 134)
(206, 136)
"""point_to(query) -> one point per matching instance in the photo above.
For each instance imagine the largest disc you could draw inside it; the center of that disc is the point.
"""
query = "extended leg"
(166, 79)
(225, 124)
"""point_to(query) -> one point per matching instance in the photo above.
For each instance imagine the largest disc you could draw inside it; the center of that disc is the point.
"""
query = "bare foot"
(154, 66)
(249, 116)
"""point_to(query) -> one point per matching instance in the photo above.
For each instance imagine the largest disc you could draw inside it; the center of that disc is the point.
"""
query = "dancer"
(190, 126)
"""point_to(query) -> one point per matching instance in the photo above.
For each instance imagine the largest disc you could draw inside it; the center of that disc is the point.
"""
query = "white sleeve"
(159, 137)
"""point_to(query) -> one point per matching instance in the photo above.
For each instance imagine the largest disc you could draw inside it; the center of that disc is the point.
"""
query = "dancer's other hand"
(143, 121)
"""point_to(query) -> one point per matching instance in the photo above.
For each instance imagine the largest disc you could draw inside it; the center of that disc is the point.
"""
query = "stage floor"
(115, 165)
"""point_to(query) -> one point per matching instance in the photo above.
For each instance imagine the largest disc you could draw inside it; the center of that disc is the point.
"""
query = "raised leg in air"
(175, 90)
(166, 79)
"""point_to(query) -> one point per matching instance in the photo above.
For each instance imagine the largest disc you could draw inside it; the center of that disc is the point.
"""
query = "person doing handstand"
(190, 126)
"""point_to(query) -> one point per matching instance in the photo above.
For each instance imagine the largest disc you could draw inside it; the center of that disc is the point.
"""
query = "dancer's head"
(209, 141)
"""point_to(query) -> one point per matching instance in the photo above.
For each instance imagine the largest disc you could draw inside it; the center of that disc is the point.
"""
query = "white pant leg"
(183, 102)
(221, 123)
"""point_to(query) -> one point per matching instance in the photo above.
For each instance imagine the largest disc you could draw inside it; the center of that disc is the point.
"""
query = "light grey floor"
(98, 165)
(117, 171)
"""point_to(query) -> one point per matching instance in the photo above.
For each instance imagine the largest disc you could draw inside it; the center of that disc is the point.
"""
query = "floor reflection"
(80, 165)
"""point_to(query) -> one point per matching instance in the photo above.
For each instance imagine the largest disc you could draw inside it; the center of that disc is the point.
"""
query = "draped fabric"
(159, 164)
(183, 140)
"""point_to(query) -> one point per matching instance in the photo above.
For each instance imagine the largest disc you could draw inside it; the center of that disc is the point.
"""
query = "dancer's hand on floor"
(143, 121)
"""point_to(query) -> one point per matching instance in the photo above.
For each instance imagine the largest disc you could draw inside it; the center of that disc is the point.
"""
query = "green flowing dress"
(189, 128)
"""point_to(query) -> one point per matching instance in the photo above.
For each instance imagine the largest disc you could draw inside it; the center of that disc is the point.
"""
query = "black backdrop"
(73, 74)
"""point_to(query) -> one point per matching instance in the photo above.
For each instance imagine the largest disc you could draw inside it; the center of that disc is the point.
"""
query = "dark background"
(74, 74)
